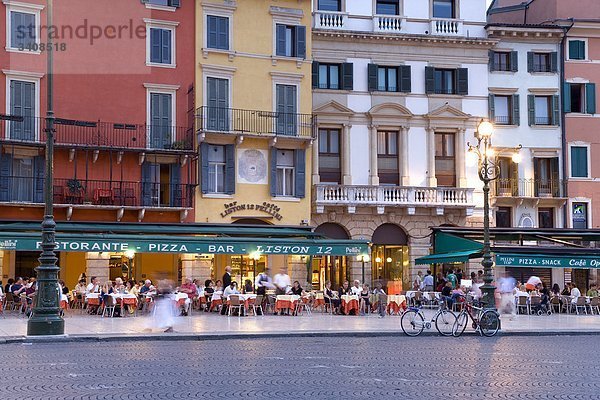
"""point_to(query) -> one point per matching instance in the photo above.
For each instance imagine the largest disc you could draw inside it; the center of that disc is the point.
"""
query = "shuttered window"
(23, 30)
(22, 104)
(286, 105)
(161, 46)
(329, 155)
(290, 41)
(217, 32)
(447, 81)
(389, 79)
(504, 110)
(576, 50)
(387, 157)
(579, 162)
(217, 173)
(170, 3)
(504, 61)
(217, 93)
(332, 76)
(161, 117)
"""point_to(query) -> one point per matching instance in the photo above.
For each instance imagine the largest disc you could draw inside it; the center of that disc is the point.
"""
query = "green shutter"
(581, 51)
(516, 110)
(579, 162)
(590, 98)
(280, 40)
(531, 109)
(347, 76)
(301, 41)
(176, 196)
(404, 82)
(555, 110)
(372, 77)
(429, 80)
(491, 62)
(203, 167)
(491, 107)
(229, 169)
(5, 176)
(514, 61)
(462, 85)
(315, 74)
(567, 97)
(300, 172)
(554, 62)
(529, 61)
(273, 177)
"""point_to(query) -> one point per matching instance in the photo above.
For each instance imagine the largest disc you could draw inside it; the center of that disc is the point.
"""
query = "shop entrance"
(331, 268)
(389, 258)
(26, 262)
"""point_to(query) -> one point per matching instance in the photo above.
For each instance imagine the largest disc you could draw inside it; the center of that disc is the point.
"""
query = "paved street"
(305, 368)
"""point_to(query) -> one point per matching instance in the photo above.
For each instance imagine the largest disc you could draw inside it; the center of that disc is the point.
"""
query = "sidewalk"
(214, 326)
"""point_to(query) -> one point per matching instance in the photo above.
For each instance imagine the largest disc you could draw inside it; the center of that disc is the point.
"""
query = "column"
(431, 179)
(461, 176)
(346, 173)
(298, 270)
(97, 264)
(188, 266)
(403, 151)
(315, 162)
(373, 174)
(2, 266)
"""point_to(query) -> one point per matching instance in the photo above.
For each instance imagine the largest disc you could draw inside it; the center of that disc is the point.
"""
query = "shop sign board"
(541, 261)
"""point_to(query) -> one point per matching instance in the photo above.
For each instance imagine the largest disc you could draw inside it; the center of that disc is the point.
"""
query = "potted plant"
(179, 145)
(74, 186)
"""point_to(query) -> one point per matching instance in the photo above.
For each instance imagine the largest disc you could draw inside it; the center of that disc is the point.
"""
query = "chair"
(534, 302)
(580, 304)
(58, 194)
(302, 303)
(417, 298)
(9, 302)
(256, 304)
(271, 303)
(594, 305)
(363, 307)
(132, 303)
(109, 306)
(554, 304)
(93, 304)
(522, 304)
(566, 303)
(237, 303)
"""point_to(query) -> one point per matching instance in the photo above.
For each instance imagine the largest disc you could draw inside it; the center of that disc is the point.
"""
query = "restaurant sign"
(541, 261)
(264, 207)
(186, 245)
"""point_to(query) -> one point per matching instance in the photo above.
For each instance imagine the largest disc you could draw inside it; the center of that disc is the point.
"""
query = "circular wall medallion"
(253, 166)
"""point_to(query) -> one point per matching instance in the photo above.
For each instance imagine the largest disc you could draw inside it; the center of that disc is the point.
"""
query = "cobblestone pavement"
(305, 368)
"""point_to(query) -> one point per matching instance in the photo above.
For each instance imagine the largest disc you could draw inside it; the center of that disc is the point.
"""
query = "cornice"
(355, 35)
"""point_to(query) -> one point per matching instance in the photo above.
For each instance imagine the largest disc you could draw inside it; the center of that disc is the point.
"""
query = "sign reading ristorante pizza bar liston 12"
(541, 261)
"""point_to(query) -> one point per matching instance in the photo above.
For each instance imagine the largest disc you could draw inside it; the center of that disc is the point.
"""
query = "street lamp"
(46, 319)
(130, 254)
(363, 258)
(488, 170)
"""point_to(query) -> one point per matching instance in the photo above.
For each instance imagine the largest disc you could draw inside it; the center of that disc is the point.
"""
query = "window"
(286, 105)
(161, 120)
(546, 217)
(217, 94)
(389, 79)
(503, 61)
(329, 155)
(161, 46)
(580, 215)
(387, 7)
(445, 163)
(387, 158)
(217, 32)
(23, 30)
(542, 62)
(217, 172)
(288, 172)
(330, 5)
(545, 177)
(216, 169)
(285, 173)
(579, 162)
(290, 40)
(161, 185)
(503, 110)
(329, 76)
(167, 3)
(504, 217)
(21, 178)
(543, 110)
(443, 9)
(579, 98)
(446, 81)
(577, 50)
(508, 178)
(22, 104)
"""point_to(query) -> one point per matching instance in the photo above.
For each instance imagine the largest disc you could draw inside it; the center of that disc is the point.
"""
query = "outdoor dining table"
(395, 303)
(319, 300)
(285, 301)
(349, 303)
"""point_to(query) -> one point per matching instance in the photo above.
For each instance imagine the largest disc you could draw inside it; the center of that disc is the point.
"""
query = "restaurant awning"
(440, 258)
(452, 249)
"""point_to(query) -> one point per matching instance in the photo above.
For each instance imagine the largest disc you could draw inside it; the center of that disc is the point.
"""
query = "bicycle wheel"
(489, 323)
(412, 323)
(444, 322)
(460, 324)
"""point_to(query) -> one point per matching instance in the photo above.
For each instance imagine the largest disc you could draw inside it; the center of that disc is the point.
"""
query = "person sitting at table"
(365, 302)
(248, 286)
(379, 292)
(356, 288)
(208, 293)
(592, 292)
(229, 290)
(441, 282)
(344, 289)
(94, 286)
(330, 297)
(555, 290)
(297, 289)
(119, 287)
(80, 289)
(567, 290)
(447, 294)
(219, 286)
(147, 288)
(190, 289)
(575, 293)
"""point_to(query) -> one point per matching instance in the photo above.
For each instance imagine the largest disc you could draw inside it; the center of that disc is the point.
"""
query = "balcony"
(446, 27)
(529, 188)
(97, 134)
(98, 193)
(334, 20)
(269, 123)
(392, 196)
(388, 23)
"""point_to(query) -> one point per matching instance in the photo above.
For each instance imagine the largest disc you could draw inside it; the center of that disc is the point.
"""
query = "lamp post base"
(46, 325)
(488, 296)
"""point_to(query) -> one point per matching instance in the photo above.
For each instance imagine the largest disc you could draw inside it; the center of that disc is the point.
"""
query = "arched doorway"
(330, 268)
(250, 221)
(389, 258)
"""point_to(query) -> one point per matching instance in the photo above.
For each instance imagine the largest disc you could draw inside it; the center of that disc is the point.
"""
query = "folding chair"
(535, 302)
(302, 303)
(522, 304)
(594, 305)
(235, 302)
(109, 306)
(580, 305)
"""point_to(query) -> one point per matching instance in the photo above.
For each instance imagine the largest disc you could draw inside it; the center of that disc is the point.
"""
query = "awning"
(31, 241)
(453, 257)
(547, 261)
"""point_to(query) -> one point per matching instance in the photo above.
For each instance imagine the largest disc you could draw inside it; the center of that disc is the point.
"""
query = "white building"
(398, 89)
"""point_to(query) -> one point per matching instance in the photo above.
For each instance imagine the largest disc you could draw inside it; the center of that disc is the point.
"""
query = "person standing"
(263, 282)
(506, 287)
(418, 282)
(451, 277)
(428, 282)
(227, 277)
(282, 282)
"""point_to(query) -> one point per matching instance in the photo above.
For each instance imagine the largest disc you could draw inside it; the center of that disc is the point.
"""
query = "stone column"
(315, 162)
(374, 173)
(297, 269)
(403, 151)
(431, 179)
(97, 264)
(2, 267)
(346, 173)
(188, 266)
(461, 175)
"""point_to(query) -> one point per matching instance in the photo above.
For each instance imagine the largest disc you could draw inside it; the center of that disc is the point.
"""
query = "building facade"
(124, 139)
(398, 90)
(254, 124)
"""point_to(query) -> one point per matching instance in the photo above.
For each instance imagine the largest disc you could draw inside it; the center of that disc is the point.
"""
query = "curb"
(79, 338)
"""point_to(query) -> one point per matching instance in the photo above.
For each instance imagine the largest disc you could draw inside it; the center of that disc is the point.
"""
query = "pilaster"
(374, 172)
(97, 264)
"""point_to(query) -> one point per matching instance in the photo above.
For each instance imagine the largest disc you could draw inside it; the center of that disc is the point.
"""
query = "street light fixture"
(363, 258)
(46, 319)
(488, 170)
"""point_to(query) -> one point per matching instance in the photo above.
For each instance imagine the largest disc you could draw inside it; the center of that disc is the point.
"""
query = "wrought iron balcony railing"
(508, 187)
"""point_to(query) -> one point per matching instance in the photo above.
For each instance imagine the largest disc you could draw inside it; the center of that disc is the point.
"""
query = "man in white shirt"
(356, 288)
(282, 281)
(575, 293)
(93, 287)
(428, 282)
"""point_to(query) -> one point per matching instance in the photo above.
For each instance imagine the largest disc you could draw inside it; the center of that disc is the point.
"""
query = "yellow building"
(255, 128)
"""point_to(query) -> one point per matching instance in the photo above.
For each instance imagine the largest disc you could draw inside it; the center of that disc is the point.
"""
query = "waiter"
(227, 277)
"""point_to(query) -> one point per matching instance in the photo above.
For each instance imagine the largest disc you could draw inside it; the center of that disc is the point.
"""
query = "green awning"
(547, 261)
(448, 243)
(453, 257)
(175, 244)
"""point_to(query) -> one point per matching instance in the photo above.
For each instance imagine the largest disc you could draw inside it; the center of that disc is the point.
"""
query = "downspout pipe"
(562, 54)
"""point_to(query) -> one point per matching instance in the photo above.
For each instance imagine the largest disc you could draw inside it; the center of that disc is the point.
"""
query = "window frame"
(509, 211)
(341, 4)
(509, 105)
(159, 24)
(587, 146)
(498, 64)
(548, 65)
(329, 172)
(444, 156)
(397, 3)
(384, 174)
(455, 9)
(586, 52)
(216, 166)
(285, 169)
(161, 7)
(328, 85)
(444, 79)
(25, 77)
(206, 34)
(549, 108)
(292, 25)
(386, 87)
(160, 89)
(25, 8)
(588, 205)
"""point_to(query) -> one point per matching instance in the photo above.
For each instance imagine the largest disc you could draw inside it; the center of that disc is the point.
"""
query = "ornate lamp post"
(488, 170)
(46, 319)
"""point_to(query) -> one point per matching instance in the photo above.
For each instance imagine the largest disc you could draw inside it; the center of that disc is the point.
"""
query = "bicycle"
(413, 321)
(486, 322)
